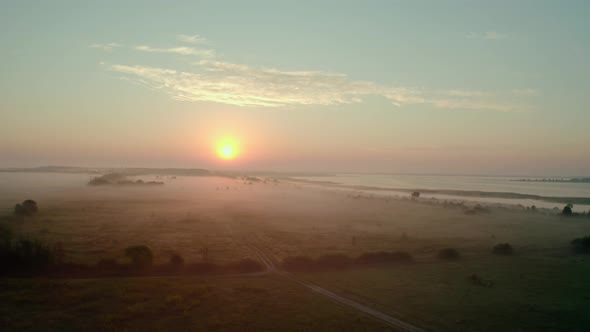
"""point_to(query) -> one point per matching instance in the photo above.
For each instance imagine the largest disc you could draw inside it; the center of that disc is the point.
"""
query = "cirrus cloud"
(181, 50)
(210, 79)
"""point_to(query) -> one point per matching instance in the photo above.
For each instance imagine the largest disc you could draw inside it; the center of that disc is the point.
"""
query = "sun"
(227, 149)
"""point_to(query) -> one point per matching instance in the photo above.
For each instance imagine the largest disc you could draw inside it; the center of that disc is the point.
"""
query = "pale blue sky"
(388, 86)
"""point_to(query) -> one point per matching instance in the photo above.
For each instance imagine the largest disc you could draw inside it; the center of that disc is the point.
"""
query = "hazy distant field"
(544, 284)
(189, 214)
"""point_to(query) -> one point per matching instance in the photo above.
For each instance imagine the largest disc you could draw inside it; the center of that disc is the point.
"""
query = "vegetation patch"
(503, 249)
(342, 261)
(448, 254)
(581, 244)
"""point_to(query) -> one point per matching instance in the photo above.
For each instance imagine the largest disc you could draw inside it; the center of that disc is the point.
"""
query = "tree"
(27, 208)
(141, 256)
(567, 210)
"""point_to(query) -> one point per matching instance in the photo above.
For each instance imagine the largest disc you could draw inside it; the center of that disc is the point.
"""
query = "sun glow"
(227, 149)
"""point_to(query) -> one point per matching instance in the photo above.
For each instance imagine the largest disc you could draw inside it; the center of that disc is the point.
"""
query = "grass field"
(171, 304)
(543, 287)
(529, 294)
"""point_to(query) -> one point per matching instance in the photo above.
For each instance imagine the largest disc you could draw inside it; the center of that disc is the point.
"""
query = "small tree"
(141, 256)
(567, 210)
(27, 208)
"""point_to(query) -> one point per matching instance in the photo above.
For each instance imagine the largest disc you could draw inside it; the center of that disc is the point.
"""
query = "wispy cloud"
(182, 50)
(488, 35)
(106, 47)
(467, 104)
(194, 39)
(225, 82)
(243, 85)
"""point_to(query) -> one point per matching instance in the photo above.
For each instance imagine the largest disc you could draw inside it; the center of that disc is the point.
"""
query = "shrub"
(141, 256)
(567, 210)
(383, 257)
(24, 255)
(333, 261)
(503, 249)
(448, 254)
(581, 244)
(5, 235)
(27, 208)
(298, 263)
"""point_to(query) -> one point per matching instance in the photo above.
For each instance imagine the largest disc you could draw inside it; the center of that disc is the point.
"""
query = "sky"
(440, 87)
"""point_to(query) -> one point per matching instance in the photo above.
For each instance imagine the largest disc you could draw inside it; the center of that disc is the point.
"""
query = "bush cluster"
(581, 245)
(22, 255)
(340, 261)
(32, 258)
(503, 249)
(26, 208)
(448, 254)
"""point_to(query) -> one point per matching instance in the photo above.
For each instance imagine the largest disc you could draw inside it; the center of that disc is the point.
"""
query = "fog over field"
(220, 220)
(403, 166)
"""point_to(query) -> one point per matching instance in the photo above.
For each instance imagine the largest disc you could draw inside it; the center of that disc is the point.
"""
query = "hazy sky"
(484, 87)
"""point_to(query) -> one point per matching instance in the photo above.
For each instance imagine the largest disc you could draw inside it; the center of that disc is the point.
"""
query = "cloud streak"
(106, 47)
(181, 50)
(230, 83)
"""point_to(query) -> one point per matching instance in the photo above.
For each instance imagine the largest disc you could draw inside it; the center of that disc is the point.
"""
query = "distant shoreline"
(292, 176)
(453, 192)
(556, 180)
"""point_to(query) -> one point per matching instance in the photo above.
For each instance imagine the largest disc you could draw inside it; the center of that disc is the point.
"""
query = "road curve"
(391, 321)
(271, 268)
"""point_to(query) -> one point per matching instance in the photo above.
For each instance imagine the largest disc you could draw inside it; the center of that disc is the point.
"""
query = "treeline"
(339, 261)
(378, 258)
(113, 268)
(31, 258)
